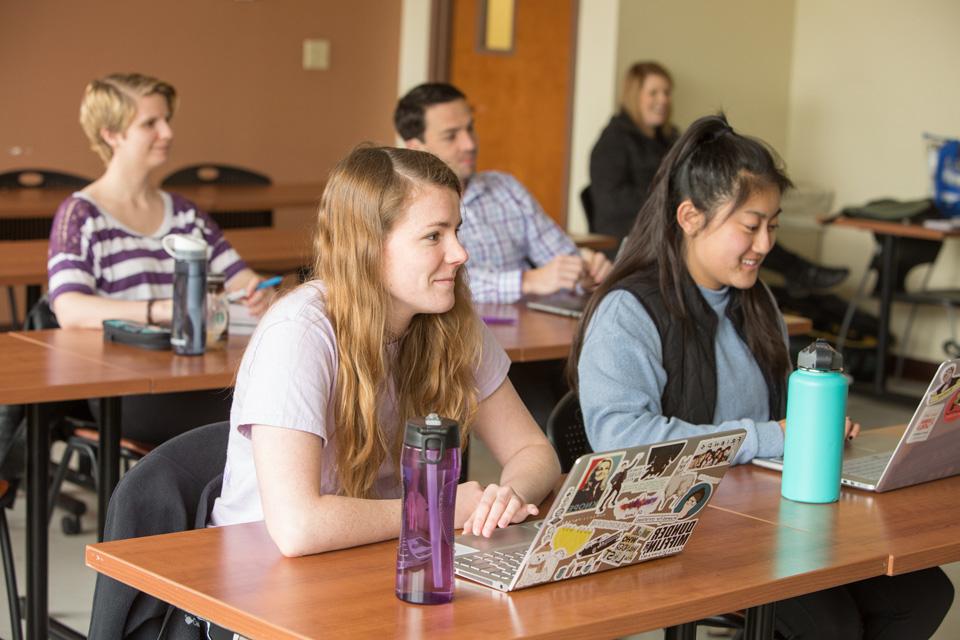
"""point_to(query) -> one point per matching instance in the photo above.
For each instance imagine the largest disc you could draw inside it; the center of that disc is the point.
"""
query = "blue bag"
(946, 178)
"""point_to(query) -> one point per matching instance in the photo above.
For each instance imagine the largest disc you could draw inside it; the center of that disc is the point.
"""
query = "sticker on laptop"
(541, 566)
(949, 382)
(693, 501)
(951, 412)
(594, 481)
(660, 458)
(615, 485)
(599, 543)
(570, 538)
(667, 539)
(627, 547)
(924, 427)
(714, 452)
(630, 507)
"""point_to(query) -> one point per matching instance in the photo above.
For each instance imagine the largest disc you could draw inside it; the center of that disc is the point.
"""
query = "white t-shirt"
(287, 379)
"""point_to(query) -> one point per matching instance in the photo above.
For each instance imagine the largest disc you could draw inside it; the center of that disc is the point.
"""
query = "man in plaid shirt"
(515, 248)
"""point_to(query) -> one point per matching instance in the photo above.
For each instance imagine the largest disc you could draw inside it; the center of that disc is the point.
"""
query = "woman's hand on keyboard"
(491, 507)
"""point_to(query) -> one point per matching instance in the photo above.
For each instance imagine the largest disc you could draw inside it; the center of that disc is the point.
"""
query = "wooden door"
(522, 99)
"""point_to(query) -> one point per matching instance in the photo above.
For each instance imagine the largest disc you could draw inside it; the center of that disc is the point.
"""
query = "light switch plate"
(316, 53)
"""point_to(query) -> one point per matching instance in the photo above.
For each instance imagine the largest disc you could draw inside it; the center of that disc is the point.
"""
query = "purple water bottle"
(430, 463)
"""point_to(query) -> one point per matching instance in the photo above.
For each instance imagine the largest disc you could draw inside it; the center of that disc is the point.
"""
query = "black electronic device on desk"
(136, 334)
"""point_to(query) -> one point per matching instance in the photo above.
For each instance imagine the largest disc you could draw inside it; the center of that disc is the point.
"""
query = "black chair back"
(586, 200)
(213, 173)
(41, 179)
(171, 489)
(566, 432)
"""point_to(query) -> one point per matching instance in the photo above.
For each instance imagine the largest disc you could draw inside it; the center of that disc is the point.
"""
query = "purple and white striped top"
(92, 252)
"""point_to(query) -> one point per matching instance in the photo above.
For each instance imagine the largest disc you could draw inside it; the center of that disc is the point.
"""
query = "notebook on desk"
(614, 509)
(929, 448)
(563, 303)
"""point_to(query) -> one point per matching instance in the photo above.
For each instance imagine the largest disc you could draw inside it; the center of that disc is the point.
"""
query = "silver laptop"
(563, 303)
(929, 448)
(614, 509)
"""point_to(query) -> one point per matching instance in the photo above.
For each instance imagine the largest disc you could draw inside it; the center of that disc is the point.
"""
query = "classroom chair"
(172, 488)
(8, 493)
(212, 174)
(586, 200)
(32, 228)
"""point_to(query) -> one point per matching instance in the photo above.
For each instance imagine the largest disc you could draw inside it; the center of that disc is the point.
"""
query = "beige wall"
(869, 77)
(733, 55)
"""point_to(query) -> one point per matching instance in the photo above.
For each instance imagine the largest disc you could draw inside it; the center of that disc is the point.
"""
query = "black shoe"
(815, 277)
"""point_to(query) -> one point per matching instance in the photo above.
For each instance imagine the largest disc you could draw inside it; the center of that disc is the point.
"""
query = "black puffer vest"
(689, 352)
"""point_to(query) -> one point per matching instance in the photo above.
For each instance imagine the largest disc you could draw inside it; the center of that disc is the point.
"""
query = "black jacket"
(622, 166)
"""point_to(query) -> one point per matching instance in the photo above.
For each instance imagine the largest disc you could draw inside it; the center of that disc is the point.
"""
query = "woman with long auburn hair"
(385, 332)
(682, 339)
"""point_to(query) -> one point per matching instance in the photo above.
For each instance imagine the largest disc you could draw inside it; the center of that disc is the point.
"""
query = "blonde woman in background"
(385, 333)
(105, 259)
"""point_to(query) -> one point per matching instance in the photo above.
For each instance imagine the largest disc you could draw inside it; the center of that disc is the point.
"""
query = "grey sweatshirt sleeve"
(622, 380)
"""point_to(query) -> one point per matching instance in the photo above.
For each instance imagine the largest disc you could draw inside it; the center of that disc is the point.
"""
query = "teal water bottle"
(816, 410)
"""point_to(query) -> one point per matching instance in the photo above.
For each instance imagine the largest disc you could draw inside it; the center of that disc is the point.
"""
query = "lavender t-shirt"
(287, 379)
(92, 252)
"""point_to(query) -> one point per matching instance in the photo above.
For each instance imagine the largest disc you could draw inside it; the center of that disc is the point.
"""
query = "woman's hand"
(851, 429)
(258, 300)
(486, 509)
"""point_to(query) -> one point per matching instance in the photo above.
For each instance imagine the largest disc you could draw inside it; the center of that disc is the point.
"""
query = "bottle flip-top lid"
(820, 356)
(185, 247)
(432, 432)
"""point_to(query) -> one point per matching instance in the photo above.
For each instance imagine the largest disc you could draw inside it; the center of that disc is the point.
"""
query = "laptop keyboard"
(500, 565)
(867, 466)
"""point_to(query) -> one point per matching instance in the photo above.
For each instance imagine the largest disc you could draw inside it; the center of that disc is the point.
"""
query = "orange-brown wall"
(245, 98)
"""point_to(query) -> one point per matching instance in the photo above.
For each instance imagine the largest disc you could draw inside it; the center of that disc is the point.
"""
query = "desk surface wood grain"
(235, 576)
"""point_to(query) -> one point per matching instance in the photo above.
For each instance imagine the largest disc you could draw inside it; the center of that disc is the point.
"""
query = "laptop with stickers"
(614, 509)
(561, 303)
(929, 448)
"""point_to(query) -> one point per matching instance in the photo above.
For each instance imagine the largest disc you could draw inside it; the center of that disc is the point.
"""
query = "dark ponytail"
(712, 166)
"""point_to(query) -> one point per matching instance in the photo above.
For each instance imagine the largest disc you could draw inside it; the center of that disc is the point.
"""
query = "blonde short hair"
(111, 103)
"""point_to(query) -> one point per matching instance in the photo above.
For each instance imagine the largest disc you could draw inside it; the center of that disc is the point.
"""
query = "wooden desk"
(595, 241)
(43, 203)
(889, 234)
(34, 375)
(235, 577)
(915, 527)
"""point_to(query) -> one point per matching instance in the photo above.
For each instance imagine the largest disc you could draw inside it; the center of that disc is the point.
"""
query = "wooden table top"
(916, 526)
(32, 373)
(43, 203)
(900, 229)
(165, 371)
(235, 577)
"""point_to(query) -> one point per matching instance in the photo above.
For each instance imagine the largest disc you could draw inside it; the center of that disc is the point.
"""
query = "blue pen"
(237, 296)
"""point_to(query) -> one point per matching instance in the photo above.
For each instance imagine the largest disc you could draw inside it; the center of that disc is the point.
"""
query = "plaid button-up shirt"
(505, 231)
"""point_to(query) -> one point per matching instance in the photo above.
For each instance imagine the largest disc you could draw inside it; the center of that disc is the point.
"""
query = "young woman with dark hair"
(682, 339)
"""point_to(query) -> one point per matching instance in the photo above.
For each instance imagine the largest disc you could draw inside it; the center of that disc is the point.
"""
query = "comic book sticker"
(570, 538)
(594, 481)
(949, 382)
(667, 539)
(694, 500)
(924, 427)
(714, 452)
(951, 411)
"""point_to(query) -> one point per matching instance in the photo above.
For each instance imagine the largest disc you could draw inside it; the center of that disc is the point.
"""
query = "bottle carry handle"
(426, 447)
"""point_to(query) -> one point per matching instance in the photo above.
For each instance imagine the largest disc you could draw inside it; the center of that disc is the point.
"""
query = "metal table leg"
(887, 277)
(38, 462)
(686, 631)
(759, 625)
(109, 462)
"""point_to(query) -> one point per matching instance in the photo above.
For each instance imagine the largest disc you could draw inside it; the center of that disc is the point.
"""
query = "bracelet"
(150, 310)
